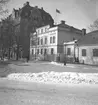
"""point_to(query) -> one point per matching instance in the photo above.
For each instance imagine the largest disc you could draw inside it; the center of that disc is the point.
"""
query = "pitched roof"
(89, 39)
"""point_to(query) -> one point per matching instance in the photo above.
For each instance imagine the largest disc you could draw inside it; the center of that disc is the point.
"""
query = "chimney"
(41, 8)
(27, 3)
(62, 22)
(36, 6)
(83, 31)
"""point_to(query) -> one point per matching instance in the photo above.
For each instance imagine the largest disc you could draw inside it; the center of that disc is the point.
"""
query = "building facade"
(88, 49)
(84, 50)
(49, 41)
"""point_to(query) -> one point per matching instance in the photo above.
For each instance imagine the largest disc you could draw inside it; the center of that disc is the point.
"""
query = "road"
(22, 93)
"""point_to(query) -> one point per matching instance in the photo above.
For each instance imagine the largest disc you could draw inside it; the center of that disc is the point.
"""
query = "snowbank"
(56, 77)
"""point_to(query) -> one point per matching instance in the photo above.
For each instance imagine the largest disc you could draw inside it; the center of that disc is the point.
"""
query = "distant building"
(50, 41)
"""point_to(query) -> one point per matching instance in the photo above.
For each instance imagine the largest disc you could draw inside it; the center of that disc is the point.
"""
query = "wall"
(66, 35)
(89, 59)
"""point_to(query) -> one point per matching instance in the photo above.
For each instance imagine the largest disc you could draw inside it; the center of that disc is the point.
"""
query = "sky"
(77, 13)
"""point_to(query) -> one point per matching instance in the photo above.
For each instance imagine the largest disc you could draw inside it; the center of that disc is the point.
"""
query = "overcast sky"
(77, 13)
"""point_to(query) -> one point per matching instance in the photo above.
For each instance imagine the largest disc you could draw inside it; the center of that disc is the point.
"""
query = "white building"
(49, 40)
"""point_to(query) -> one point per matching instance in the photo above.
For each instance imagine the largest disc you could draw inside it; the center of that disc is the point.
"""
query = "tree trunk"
(17, 53)
(9, 53)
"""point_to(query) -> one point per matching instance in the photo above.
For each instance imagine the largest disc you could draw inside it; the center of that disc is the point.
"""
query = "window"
(45, 51)
(83, 52)
(41, 51)
(68, 51)
(50, 39)
(52, 51)
(38, 41)
(38, 31)
(41, 30)
(41, 41)
(32, 52)
(95, 52)
(37, 51)
(53, 39)
(45, 40)
(45, 29)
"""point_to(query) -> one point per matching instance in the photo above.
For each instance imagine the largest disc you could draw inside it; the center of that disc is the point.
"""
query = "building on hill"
(49, 41)
(25, 21)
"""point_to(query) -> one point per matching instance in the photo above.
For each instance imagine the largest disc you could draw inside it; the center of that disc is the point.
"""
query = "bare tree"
(94, 26)
(3, 5)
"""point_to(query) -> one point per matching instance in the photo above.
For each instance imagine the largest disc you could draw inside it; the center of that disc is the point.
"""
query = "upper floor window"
(41, 30)
(53, 39)
(38, 31)
(50, 39)
(95, 52)
(41, 41)
(45, 40)
(45, 29)
(83, 52)
(68, 51)
(38, 41)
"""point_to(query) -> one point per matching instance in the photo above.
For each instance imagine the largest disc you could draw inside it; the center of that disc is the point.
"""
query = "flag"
(58, 11)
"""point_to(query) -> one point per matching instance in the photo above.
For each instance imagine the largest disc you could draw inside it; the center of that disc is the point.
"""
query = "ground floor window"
(41, 51)
(52, 51)
(37, 51)
(83, 52)
(95, 52)
(45, 51)
(68, 51)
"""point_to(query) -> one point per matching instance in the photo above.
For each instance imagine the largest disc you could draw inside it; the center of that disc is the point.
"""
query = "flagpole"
(56, 18)
(57, 12)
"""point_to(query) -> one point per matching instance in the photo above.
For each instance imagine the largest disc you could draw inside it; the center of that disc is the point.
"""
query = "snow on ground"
(56, 77)
(61, 64)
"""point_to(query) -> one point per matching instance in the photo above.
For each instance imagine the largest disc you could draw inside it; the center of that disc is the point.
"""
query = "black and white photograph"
(48, 52)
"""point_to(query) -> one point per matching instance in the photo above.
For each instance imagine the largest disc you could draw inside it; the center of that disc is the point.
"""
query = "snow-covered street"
(43, 83)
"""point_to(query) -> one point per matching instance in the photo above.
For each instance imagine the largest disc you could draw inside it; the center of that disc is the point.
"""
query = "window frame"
(32, 51)
(41, 51)
(37, 51)
(84, 54)
(69, 51)
(46, 40)
(54, 38)
(41, 41)
(52, 51)
(95, 54)
(45, 51)
(51, 39)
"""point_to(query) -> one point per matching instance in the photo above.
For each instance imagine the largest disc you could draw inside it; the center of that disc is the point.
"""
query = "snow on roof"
(71, 42)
